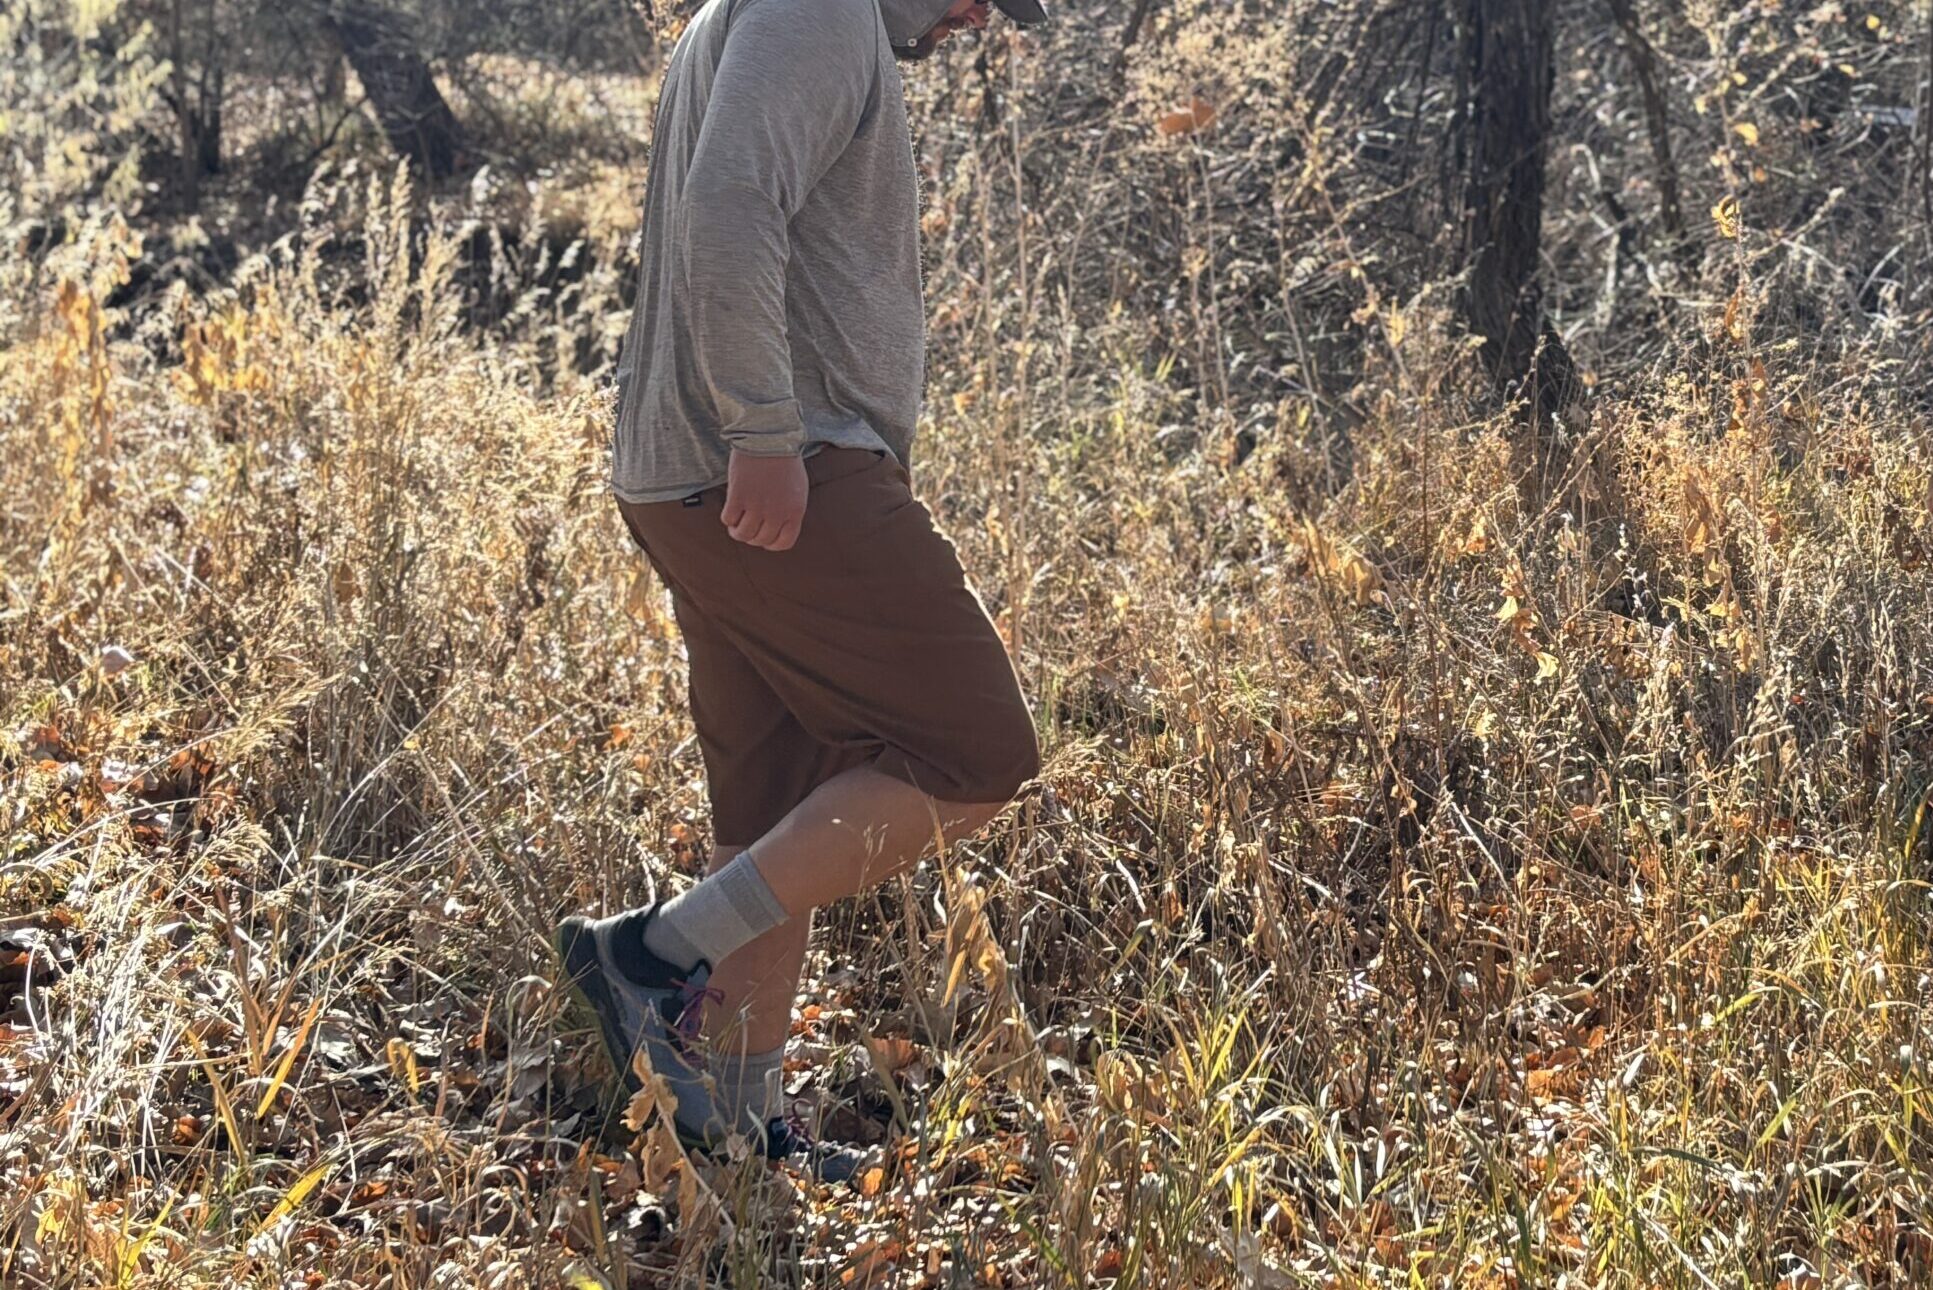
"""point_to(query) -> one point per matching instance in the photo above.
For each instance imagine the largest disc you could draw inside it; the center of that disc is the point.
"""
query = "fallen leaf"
(1725, 216)
(1198, 115)
(869, 1260)
(893, 1053)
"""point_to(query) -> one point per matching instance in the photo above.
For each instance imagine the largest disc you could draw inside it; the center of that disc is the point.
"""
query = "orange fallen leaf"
(869, 1260)
(893, 1052)
(1198, 115)
(1562, 1081)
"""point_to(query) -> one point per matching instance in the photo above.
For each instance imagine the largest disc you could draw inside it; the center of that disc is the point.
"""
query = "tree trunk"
(214, 83)
(394, 75)
(1644, 62)
(1506, 75)
(188, 153)
(196, 103)
(1923, 123)
(1136, 21)
(334, 91)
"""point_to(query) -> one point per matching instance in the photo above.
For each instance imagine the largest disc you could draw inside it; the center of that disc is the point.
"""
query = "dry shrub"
(1470, 853)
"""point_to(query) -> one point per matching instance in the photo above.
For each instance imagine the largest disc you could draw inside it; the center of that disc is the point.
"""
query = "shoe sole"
(577, 946)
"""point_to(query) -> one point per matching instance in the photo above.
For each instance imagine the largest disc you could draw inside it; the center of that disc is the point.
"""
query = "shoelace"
(793, 1123)
(787, 1138)
(785, 1135)
(692, 1002)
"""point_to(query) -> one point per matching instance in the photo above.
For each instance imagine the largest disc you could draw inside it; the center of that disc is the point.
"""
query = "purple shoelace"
(692, 1002)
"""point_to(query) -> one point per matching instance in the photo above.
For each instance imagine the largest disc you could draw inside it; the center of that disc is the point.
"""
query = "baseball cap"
(1027, 13)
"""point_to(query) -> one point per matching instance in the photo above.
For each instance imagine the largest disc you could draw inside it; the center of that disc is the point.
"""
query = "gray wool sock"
(748, 1087)
(731, 908)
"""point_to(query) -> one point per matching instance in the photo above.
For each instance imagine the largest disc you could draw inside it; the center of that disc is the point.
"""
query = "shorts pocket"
(830, 465)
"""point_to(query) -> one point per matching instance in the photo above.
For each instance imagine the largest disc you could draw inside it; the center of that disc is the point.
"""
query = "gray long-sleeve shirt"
(778, 302)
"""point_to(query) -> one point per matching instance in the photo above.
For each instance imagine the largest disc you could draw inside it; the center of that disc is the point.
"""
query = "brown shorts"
(862, 645)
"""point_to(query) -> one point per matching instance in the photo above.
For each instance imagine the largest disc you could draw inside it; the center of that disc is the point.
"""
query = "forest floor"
(1512, 871)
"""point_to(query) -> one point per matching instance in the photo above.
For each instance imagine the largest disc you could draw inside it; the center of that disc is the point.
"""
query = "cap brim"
(1027, 13)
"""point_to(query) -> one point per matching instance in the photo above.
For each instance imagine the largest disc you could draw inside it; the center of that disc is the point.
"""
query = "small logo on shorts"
(696, 499)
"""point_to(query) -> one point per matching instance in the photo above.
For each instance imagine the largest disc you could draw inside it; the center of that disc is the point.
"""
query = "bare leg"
(855, 831)
(758, 982)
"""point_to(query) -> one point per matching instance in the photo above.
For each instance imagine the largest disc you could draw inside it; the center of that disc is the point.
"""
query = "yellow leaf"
(579, 1275)
(1748, 132)
(131, 1257)
(1546, 666)
(288, 1061)
(1735, 326)
(1342, 562)
(1725, 215)
(1509, 611)
(1478, 540)
(297, 1194)
(402, 1063)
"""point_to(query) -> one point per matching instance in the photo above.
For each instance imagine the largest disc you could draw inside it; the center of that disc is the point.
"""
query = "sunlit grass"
(1496, 856)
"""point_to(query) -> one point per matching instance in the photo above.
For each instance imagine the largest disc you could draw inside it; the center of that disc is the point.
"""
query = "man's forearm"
(736, 248)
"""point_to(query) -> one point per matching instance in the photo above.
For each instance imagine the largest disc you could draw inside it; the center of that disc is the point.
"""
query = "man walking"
(853, 703)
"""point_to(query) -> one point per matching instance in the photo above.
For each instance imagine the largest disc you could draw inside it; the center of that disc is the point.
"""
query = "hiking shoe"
(782, 1140)
(664, 1018)
(656, 1006)
(787, 1141)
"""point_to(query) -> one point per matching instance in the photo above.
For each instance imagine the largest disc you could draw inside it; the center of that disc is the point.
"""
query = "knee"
(961, 820)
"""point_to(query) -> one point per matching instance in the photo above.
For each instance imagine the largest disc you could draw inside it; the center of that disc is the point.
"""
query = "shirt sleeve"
(787, 99)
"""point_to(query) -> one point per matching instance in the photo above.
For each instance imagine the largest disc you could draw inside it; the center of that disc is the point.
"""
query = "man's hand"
(765, 500)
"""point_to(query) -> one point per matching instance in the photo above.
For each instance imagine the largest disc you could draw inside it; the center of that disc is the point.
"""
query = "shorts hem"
(943, 788)
(654, 496)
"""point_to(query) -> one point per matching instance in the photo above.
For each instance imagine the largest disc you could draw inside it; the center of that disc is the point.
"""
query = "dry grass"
(1467, 856)
(1432, 887)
